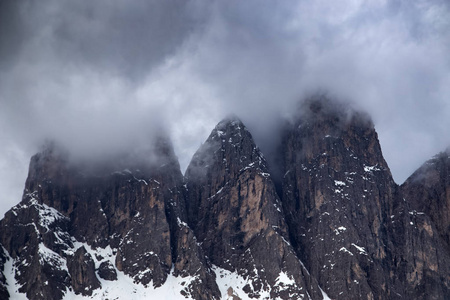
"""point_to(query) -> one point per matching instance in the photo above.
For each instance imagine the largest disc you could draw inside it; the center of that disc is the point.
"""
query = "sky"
(105, 76)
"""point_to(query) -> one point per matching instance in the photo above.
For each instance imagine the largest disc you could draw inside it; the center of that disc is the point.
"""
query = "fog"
(101, 77)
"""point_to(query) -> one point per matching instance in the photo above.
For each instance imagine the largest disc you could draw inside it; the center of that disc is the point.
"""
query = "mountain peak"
(334, 223)
(229, 127)
(322, 108)
(230, 120)
(229, 145)
(231, 190)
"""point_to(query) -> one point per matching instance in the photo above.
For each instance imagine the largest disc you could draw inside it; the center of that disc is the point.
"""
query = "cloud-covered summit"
(99, 75)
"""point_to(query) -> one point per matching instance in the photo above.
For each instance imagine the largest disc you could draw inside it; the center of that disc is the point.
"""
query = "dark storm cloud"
(106, 76)
(117, 36)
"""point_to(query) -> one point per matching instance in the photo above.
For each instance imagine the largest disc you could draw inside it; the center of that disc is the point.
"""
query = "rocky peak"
(336, 185)
(323, 123)
(337, 219)
(136, 216)
(229, 146)
(428, 191)
(237, 217)
(228, 151)
(348, 220)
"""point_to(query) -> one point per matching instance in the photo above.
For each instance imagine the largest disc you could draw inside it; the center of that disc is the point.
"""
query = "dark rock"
(348, 221)
(337, 192)
(427, 198)
(237, 216)
(191, 261)
(82, 272)
(107, 271)
(38, 259)
(135, 212)
(335, 218)
(428, 191)
(4, 294)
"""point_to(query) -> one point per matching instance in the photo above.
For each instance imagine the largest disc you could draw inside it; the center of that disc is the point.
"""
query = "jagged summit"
(230, 120)
(235, 195)
(88, 229)
(428, 191)
(323, 117)
(336, 227)
(230, 144)
(341, 202)
(145, 158)
(335, 183)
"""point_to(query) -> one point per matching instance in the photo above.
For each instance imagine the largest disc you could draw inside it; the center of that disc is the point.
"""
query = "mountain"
(327, 222)
(348, 220)
(428, 189)
(237, 216)
(339, 193)
(73, 231)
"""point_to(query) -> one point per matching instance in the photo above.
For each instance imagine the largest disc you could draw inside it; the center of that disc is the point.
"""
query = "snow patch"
(371, 168)
(48, 215)
(339, 183)
(340, 229)
(324, 295)
(52, 258)
(284, 279)
(343, 249)
(360, 249)
(181, 223)
(125, 287)
(11, 283)
(230, 283)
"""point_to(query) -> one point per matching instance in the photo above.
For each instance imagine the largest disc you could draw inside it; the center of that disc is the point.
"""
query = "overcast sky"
(105, 75)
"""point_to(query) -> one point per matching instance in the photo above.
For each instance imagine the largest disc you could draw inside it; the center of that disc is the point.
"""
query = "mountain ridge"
(334, 225)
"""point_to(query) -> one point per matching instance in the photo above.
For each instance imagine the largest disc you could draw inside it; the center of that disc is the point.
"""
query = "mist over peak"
(322, 106)
(146, 155)
(103, 77)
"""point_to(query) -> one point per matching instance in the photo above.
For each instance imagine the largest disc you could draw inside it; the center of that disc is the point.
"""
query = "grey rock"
(82, 272)
(107, 271)
(237, 216)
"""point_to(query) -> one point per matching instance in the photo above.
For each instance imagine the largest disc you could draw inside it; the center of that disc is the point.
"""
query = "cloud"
(103, 76)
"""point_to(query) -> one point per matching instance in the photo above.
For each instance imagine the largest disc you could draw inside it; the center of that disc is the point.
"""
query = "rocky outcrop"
(332, 220)
(420, 261)
(35, 236)
(138, 213)
(337, 195)
(82, 271)
(348, 221)
(237, 216)
(428, 191)
(4, 294)
(107, 271)
(426, 196)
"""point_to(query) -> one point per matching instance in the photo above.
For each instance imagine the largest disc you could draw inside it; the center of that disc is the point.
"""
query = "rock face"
(3, 288)
(35, 236)
(82, 271)
(137, 214)
(332, 224)
(348, 220)
(107, 271)
(427, 194)
(237, 215)
(428, 190)
(338, 192)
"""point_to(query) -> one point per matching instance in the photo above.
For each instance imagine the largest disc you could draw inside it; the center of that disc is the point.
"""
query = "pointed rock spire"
(237, 215)
(428, 191)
